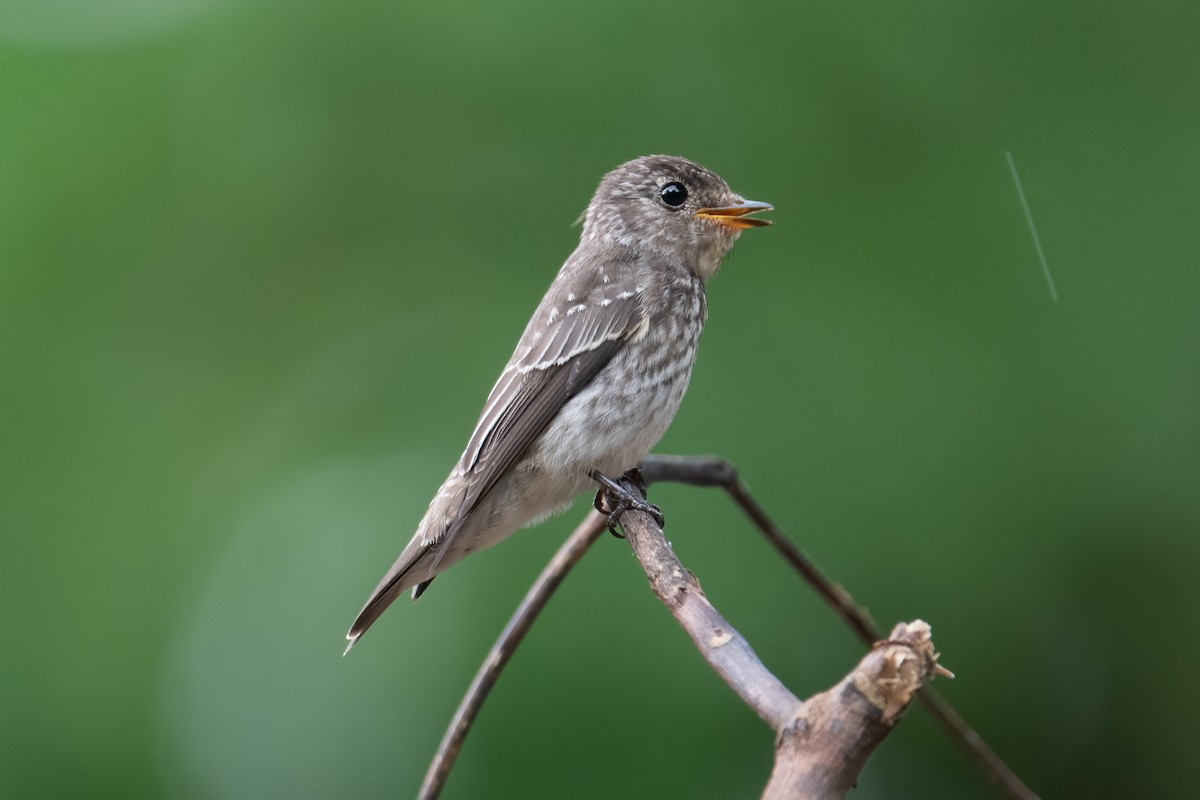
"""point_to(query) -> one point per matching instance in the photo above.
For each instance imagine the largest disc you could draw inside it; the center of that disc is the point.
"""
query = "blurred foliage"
(260, 262)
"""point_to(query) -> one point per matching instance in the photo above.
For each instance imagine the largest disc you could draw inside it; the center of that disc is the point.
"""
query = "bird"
(598, 374)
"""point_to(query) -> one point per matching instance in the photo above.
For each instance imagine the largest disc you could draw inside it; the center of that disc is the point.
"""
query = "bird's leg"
(616, 497)
(600, 505)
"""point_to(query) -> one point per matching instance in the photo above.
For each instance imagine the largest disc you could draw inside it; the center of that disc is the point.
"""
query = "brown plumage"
(599, 372)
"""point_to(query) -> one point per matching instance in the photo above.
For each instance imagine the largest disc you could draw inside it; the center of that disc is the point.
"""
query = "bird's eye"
(673, 194)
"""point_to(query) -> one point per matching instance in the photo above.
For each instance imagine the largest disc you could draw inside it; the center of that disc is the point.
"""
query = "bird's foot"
(600, 503)
(627, 494)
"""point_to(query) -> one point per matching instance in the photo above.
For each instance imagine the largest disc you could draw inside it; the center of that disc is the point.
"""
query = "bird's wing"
(585, 317)
(571, 337)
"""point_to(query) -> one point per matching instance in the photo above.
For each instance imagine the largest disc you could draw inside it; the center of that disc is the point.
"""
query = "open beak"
(736, 216)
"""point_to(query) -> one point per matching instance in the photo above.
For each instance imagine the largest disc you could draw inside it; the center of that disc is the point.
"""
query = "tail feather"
(420, 588)
(397, 579)
(421, 559)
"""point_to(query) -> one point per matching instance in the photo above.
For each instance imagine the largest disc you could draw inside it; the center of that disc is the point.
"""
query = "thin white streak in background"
(1037, 243)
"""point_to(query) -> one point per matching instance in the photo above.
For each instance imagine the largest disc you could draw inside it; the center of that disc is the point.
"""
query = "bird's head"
(671, 205)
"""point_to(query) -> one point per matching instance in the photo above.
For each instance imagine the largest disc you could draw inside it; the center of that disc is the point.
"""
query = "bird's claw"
(627, 494)
(601, 505)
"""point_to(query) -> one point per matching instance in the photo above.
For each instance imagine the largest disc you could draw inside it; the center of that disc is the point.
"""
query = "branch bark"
(725, 650)
(821, 751)
(823, 743)
(716, 472)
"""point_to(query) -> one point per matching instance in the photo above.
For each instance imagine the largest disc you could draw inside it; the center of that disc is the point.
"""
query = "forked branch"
(838, 727)
(710, 471)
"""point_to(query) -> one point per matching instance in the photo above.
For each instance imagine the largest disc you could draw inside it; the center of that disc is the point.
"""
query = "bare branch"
(539, 593)
(822, 743)
(722, 646)
(711, 471)
(806, 739)
(820, 753)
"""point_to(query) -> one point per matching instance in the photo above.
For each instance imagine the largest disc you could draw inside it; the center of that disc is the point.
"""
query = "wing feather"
(560, 353)
(581, 323)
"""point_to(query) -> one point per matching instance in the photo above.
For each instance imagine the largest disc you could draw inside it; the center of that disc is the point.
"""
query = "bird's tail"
(420, 561)
(392, 586)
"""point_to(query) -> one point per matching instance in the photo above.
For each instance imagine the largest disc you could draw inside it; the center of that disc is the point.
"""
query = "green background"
(261, 261)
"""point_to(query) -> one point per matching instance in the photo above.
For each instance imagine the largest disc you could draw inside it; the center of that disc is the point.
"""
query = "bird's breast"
(618, 417)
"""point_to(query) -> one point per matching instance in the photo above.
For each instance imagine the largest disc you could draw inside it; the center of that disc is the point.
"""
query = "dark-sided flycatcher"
(599, 372)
